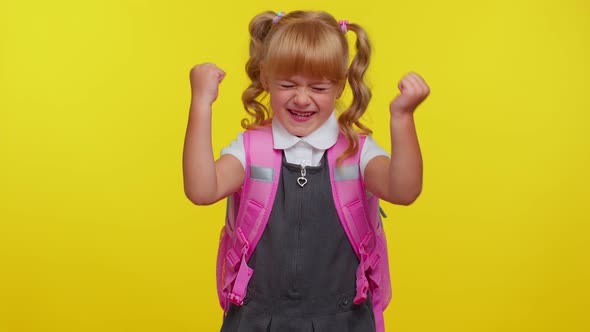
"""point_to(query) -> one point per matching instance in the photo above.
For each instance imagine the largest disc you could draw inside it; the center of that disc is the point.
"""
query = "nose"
(301, 97)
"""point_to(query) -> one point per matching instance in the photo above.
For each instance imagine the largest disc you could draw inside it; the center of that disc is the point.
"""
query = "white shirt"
(307, 150)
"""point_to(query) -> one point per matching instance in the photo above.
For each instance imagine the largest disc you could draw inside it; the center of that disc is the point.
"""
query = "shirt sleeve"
(236, 148)
(369, 151)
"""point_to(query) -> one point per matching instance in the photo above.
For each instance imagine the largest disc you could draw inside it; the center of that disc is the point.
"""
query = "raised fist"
(205, 79)
(413, 90)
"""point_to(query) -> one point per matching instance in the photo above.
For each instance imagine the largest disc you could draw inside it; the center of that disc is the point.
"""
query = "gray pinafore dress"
(304, 266)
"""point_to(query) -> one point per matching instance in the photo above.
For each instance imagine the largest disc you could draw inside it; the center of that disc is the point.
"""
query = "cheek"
(278, 99)
(327, 101)
(273, 103)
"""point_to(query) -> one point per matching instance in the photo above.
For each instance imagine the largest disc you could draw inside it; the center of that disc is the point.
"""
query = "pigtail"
(259, 28)
(361, 95)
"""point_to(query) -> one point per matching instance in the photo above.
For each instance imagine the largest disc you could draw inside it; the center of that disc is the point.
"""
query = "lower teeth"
(301, 115)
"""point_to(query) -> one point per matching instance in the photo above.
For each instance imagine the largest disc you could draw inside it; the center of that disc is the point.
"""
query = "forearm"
(405, 170)
(200, 180)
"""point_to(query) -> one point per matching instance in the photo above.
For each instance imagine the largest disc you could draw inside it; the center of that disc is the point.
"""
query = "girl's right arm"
(206, 181)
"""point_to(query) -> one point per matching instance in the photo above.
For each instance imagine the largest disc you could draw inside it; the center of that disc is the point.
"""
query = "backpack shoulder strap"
(360, 219)
(263, 166)
(261, 174)
(352, 205)
(349, 191)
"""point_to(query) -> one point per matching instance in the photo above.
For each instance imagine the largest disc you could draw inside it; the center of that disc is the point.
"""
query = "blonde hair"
(309, 42)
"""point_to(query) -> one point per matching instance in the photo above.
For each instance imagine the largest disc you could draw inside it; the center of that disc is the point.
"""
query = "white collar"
(322, 138)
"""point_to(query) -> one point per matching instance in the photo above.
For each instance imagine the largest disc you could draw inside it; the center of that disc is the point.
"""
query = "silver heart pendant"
(301, 181)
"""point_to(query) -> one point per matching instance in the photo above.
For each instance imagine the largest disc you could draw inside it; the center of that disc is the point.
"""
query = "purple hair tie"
(279, 15)
(343, 25)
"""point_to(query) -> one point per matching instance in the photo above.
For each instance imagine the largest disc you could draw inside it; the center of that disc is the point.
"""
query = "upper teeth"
(301, 113)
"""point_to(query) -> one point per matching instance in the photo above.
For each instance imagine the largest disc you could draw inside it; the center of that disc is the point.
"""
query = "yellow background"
(95, 231)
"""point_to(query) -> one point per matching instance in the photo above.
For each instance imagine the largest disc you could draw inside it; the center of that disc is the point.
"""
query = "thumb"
(220, 76)
(402, 87)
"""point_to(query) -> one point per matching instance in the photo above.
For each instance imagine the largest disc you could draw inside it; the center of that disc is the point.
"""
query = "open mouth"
(299, 114)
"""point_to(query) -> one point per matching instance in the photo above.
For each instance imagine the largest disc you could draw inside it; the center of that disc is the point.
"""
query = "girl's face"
(302, 103)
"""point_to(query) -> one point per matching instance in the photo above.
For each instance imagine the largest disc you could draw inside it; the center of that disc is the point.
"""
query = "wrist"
(198, 97)
(200, 107)
(401, 115)
(201, 102)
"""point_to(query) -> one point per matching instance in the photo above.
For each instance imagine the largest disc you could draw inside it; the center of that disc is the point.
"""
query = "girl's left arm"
(399, 180)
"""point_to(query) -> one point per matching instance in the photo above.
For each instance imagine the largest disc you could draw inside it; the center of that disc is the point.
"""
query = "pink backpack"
(248, 211)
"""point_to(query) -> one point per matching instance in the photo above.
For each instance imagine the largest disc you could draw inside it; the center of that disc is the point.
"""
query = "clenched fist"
(205, 79)
(413, 90)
